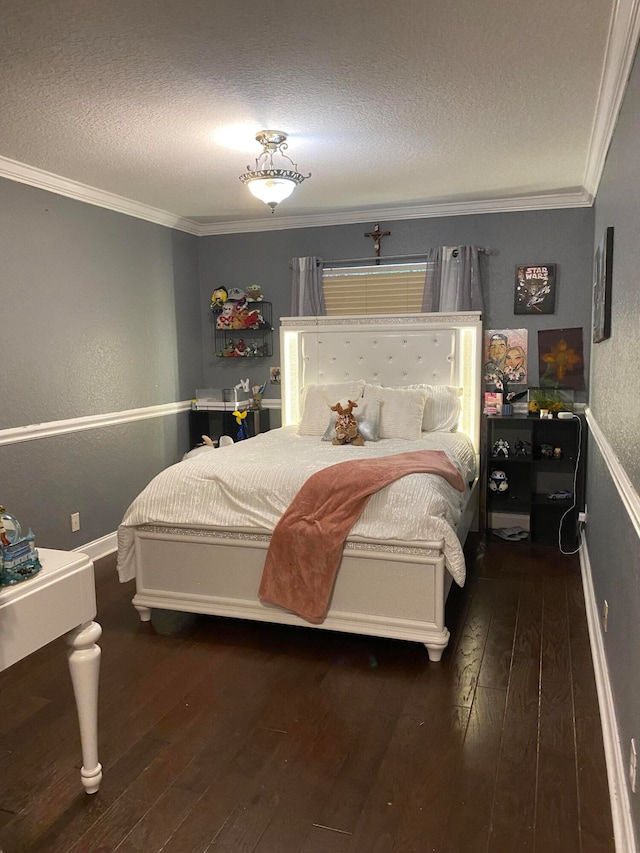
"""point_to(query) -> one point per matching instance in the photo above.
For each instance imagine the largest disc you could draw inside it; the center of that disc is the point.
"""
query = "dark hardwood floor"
(235, 736)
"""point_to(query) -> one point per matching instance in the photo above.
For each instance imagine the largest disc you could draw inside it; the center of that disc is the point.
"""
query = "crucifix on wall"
(377, 235)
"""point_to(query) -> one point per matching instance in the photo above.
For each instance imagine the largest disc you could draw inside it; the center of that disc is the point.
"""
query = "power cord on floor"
(573, 506)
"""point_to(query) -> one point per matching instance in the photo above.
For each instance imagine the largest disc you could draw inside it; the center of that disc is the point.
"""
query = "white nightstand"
(60, 599)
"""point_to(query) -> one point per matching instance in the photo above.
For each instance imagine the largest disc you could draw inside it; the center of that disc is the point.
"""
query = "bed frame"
(384, 588)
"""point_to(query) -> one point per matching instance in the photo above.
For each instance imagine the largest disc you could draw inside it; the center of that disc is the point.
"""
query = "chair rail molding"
(623, 484)
(15, 435)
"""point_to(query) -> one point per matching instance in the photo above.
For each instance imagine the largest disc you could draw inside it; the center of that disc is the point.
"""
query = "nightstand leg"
(84, 666)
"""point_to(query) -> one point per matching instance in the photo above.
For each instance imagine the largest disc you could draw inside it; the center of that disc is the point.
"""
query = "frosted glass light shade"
(271, 190)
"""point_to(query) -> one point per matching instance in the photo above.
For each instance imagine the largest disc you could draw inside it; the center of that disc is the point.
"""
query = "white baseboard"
(99, 548)
(614, 754)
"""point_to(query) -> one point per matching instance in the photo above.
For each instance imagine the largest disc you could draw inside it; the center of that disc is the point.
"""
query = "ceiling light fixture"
(268, 182)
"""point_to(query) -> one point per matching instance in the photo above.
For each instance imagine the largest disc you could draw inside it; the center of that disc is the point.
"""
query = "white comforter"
(251, 483)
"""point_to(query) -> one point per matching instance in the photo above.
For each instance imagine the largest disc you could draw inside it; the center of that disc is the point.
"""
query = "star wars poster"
(535, 291)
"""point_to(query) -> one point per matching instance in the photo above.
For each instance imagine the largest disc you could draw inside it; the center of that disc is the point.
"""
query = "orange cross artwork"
(562, 359)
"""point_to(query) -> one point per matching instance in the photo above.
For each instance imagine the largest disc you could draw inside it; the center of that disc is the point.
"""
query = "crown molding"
(390, 214)
(619, 57)
(25, 174)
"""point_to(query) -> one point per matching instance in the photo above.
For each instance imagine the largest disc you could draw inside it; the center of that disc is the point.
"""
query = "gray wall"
(615, 401)
(102, 312)
(99, 313)
(564, 237)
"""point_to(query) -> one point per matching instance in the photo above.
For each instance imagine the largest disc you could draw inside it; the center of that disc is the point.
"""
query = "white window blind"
(384, 289)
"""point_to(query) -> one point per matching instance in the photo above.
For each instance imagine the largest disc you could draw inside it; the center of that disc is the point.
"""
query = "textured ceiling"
(391, 106)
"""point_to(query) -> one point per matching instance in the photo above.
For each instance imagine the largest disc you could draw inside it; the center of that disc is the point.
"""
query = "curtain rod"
(388, 258)
(420, 255)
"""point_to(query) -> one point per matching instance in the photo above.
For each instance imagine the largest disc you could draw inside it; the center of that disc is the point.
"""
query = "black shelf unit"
(533, 477)
(256, 342)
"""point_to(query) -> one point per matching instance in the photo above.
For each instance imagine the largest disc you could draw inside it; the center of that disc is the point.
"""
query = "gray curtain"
(453, 280)
(307, 295)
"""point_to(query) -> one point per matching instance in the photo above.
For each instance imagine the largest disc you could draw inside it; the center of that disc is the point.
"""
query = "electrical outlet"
(633, 765)
(605, 615)
(582, 516)
(75, 522)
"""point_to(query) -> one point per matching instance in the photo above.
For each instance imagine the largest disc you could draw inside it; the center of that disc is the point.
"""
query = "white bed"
(196, 538)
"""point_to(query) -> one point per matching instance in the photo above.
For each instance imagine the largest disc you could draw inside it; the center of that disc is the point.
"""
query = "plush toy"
(347, 426)
(219, 297)
(235, 294)
(225, 320)
(254, 292)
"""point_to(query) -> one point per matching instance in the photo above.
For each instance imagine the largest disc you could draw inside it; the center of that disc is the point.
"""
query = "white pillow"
(401, 410)
(442, 409)
(316, 402)
(367, 417)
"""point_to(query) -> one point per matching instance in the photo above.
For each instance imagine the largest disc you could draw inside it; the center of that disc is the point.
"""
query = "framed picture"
(535, 291)
(602, 274)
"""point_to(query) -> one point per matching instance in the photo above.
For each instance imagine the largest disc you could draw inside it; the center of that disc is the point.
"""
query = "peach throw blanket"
(306, 545)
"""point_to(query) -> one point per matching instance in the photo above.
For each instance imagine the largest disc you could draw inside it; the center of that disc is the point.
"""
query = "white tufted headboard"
(436, 349)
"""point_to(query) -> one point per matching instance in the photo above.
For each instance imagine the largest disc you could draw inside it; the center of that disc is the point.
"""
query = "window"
(384, 289)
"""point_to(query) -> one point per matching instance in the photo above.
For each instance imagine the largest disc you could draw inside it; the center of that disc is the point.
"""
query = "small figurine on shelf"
(546, 451)
(257, 391)
(500, 448)
(522, 448)
(498, 482)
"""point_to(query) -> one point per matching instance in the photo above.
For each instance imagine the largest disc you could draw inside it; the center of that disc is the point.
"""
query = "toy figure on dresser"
(546, 451)
(18, 556)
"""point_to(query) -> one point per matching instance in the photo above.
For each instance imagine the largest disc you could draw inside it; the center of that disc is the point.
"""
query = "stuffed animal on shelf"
(254, 292)
(347, 426)
(235, 294)
(226, 319)
(219, 297)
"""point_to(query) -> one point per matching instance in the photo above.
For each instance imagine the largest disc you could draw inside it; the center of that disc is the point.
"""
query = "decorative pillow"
(401, 410)
(442, 409)
(316, 401)
(367, 417)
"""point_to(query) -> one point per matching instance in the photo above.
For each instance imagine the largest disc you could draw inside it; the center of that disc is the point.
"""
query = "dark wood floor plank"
(213, 809)
(323, 840)
(496, 661)
(307, 766)
(470, 806)
(513, 819)
(344, 805)
(557, 822)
